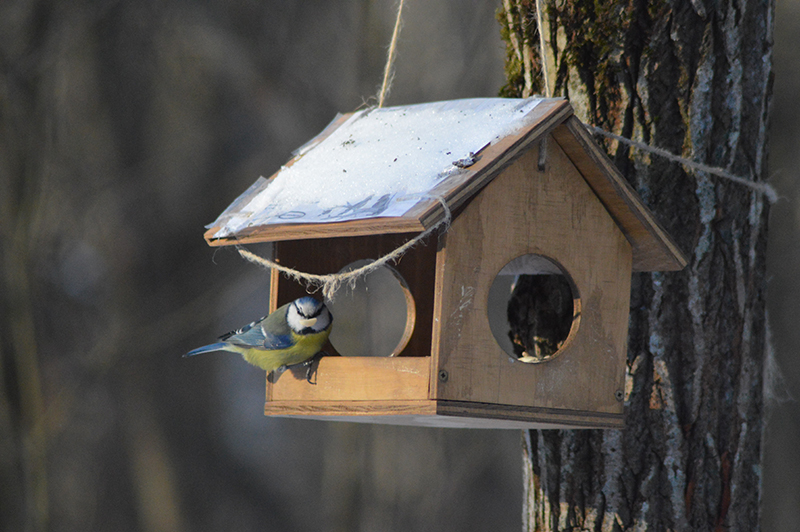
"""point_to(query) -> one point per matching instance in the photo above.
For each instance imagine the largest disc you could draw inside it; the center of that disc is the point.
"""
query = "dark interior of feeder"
(532, 309)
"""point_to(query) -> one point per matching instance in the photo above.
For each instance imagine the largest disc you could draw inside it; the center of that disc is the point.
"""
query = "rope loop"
(330, 283)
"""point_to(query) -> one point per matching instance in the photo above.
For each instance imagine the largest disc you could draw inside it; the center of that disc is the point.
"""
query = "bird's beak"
(308, 322)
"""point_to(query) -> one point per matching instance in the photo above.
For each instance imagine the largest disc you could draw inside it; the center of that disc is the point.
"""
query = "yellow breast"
(305, 346)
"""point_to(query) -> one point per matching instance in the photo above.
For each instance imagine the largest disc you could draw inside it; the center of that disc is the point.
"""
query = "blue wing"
(272, 341)
(254, 335)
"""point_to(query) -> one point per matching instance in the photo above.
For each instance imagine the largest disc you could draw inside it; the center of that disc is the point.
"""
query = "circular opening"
(375, 317)
(533, 308)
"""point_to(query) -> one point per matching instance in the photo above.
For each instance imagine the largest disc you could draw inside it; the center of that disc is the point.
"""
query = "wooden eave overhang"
(653, 248)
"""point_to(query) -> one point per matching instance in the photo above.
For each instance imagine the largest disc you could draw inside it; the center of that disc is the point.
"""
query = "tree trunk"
(694, 78)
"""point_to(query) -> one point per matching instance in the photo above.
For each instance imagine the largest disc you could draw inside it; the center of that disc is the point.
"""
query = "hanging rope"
(764, 188)
(388, 74)
(542, 48)
(331, 282)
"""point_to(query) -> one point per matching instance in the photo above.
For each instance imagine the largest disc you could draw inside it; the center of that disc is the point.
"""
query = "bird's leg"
(308, 364)
(277, 373)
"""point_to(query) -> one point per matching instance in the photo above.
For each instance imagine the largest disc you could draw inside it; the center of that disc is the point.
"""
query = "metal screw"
(619, 395)
(443, 375)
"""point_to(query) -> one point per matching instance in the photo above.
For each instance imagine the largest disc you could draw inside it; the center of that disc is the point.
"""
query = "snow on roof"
(379, 162)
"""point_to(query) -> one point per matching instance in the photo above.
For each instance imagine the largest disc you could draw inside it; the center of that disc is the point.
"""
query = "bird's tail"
(219, 346)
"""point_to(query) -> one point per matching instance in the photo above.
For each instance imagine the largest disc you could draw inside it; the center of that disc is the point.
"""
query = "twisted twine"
(388, 75)
(764, 188)
(331, 282)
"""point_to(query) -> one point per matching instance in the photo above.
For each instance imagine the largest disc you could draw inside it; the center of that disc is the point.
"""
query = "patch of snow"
(381, 162)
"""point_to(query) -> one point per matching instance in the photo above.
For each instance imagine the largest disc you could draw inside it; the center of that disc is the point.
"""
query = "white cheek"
(293, 319)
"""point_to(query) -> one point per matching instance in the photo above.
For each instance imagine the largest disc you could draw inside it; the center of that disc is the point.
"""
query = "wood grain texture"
(445, 414)
(653, 247)
(283, 232)
(356, 379)
(361, 409)
(557, 215)
(538, 417)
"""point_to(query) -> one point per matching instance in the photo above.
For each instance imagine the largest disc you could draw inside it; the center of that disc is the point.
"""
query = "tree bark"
(694, 78)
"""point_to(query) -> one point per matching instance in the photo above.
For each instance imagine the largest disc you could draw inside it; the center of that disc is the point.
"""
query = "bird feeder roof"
(391, 169)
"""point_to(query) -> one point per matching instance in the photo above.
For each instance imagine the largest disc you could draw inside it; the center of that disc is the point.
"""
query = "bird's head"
(308, 316)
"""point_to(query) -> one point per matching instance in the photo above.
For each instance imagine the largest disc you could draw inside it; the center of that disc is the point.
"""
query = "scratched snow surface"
(380, 162)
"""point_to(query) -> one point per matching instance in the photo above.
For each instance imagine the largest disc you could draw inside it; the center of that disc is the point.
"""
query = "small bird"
(294, 334)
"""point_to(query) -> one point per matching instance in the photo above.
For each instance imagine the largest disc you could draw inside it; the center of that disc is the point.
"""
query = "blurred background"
(128, 126)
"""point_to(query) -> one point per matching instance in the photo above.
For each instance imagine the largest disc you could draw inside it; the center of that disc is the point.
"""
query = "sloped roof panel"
(389, 170)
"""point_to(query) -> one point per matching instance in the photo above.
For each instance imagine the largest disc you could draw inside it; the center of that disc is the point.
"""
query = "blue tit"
(291, 335)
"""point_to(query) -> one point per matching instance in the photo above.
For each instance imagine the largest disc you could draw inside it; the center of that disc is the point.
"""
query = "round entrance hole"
(533, 308)
(374, 318)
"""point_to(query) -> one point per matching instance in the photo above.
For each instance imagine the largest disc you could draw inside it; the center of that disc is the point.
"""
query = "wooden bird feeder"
(568, 213)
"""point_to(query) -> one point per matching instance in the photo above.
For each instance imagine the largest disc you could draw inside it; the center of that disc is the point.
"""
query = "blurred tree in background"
(124, 128)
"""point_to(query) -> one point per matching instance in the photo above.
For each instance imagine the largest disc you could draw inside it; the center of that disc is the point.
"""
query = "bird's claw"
(308, 364)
